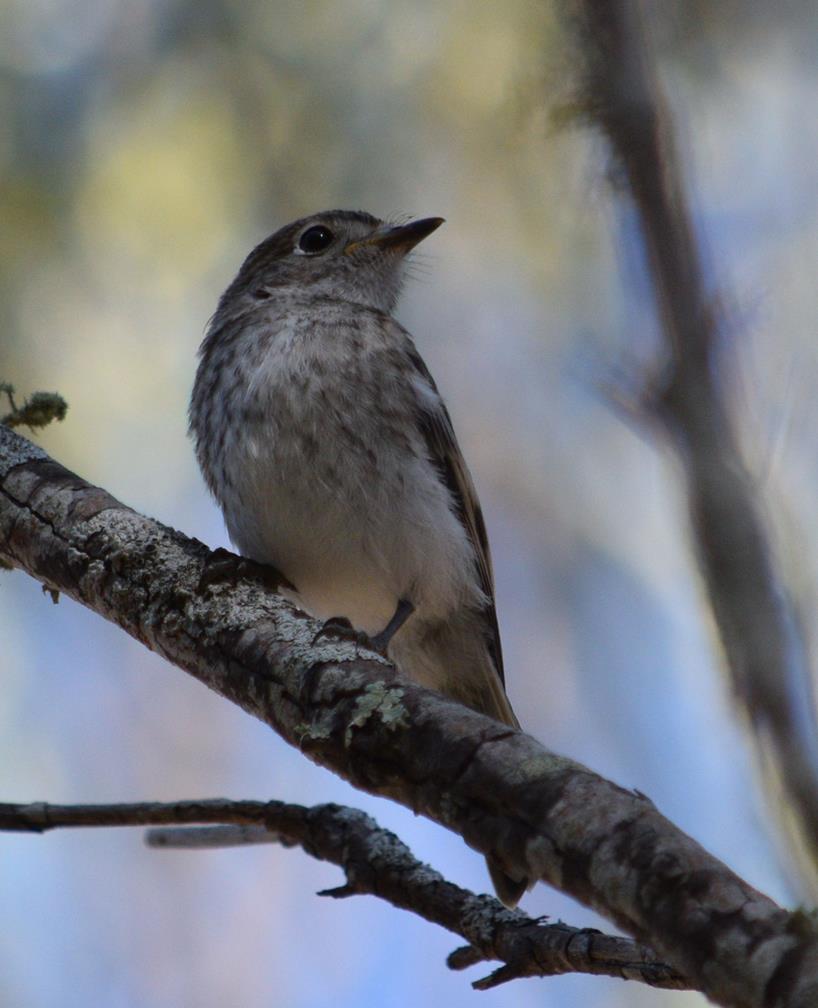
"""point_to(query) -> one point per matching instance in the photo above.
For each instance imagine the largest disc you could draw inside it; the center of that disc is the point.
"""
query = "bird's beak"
(401, 238)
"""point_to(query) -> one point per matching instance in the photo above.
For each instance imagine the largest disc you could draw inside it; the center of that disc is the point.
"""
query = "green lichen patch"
(37, 411)
(316, 731)
(380, 699)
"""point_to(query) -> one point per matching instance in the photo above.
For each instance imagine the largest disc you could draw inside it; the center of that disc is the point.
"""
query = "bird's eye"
(315, 239)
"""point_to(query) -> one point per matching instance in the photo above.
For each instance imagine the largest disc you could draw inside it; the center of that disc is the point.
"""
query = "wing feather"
(444, 452)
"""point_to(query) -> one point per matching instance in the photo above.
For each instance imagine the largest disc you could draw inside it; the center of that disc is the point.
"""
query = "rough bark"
(376, 862)
(541, 815)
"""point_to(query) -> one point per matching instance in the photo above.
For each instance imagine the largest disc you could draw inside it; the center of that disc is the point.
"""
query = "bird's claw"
(224, 567)
(340, 628)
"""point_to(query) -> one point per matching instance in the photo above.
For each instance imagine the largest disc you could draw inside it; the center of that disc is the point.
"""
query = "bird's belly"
(367, 604)
(354, 548)
(333, 572)
(319, 545)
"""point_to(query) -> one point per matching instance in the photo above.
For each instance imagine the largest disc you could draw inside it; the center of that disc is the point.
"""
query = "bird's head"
(344, 255)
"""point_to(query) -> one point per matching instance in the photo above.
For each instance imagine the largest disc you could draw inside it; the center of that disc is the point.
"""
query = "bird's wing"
(444, 452)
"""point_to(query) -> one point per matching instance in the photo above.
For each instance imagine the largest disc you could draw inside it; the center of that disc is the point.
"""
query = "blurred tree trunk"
(621, 95)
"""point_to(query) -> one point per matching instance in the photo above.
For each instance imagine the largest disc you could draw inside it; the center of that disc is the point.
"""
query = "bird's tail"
(454, 658)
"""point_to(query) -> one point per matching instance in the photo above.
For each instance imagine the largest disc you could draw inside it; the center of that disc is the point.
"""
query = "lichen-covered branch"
(766, 660)
(376, 862)
(539, 814)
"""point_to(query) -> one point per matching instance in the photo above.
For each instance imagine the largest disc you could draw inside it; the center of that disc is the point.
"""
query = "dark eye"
(316, 239)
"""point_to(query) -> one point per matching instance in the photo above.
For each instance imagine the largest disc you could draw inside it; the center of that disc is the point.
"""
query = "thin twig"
(376, 862)
(210, 837)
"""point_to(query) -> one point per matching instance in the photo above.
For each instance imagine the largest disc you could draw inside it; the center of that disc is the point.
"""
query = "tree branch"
(758, 631)
(541, 815)
(377, 863)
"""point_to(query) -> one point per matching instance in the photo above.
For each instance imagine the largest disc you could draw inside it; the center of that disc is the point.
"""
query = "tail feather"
(509, 891)
(454, 658)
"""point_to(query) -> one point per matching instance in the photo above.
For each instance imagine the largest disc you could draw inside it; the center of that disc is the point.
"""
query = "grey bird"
(325, 441)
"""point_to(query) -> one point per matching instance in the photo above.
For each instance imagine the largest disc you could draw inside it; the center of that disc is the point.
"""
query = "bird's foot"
(340, 628)
(224, 567)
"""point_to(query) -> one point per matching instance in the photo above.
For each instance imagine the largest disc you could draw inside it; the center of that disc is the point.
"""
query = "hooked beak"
(401, 238)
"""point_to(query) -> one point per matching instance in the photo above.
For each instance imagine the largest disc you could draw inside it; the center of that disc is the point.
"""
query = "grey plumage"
(324, 439)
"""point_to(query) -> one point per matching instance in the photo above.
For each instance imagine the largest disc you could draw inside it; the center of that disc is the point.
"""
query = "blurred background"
(145, 147)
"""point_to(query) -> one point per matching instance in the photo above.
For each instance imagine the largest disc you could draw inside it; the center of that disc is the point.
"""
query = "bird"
(327, 445)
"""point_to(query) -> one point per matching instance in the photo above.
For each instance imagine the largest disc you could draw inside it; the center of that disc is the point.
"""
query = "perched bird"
(324, 439)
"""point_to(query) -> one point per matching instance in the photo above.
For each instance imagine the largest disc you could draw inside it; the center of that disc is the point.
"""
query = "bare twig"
(210, 837)
(376, 862)
(757, 628)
